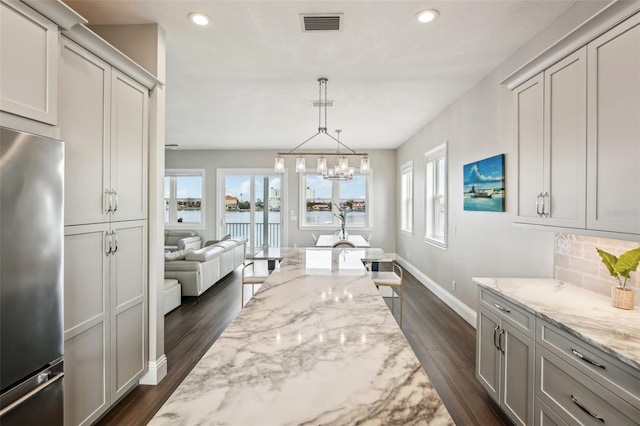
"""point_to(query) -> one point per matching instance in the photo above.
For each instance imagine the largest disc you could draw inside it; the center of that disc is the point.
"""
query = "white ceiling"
(246, 80)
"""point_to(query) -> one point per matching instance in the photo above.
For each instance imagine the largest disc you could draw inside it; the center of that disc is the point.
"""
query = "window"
(183, 202)
(436, 196)
(319, 195)
(406, 193)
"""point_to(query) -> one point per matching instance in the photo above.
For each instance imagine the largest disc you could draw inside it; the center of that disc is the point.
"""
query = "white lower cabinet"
(577, 398)
(505, 362)
(105, 311)
(540, 374)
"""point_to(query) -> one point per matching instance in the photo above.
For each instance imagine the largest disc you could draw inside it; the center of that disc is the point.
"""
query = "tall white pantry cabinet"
(103, 118)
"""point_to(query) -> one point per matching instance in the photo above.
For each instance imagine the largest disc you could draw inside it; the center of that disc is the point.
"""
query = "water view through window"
(321, 195)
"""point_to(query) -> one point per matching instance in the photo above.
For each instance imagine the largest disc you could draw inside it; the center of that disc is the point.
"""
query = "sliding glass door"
(251, 203)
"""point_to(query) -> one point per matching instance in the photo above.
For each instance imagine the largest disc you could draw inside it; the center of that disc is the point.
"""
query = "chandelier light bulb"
(300, 164)
(322, 165)
(279, 165)
(365, 167)
(351, 172)
(343, 163)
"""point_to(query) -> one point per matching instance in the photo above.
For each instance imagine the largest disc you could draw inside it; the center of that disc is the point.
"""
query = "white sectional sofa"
(176, 240)
(198, 270)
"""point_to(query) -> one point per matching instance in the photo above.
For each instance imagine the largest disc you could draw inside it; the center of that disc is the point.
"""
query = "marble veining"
(315, 345)
(581, 312)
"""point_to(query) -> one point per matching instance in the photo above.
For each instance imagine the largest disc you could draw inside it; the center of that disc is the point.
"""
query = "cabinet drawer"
(575, 397)
(515, 315)
(545, 416)
(616, 376)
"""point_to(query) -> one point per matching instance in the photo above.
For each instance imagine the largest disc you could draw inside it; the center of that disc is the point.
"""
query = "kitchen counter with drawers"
(577, 357)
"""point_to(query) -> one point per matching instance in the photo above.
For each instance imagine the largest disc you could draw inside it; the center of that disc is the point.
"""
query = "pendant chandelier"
(341, 170)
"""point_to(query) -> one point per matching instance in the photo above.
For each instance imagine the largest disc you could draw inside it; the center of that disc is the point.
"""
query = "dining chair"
(315, 239)
(368, 238)
(343, 243)
(392, 279)
(252, 276)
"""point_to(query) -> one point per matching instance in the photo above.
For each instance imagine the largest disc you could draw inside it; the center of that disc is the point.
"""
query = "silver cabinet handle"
(115, 234)
(539, 204)
(546, 207)
(113, 191)
(107, 243)
(107, 201)
(502, 308)
(587, 360)
(583, 408)
(495, 332)
(500, 340)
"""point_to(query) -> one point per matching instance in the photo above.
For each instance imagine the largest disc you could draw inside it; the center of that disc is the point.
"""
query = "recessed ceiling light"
(427, 15)
(199, 19)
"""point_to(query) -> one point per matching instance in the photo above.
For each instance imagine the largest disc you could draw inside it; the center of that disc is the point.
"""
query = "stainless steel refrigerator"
(31, 279)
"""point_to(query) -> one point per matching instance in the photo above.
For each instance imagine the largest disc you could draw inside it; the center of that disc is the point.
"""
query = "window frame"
(406, 200)
(173, 205)
(431, 157)
(335, 198)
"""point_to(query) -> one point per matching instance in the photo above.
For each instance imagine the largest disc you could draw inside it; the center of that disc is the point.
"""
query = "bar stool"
(392, 279)
(252, 276)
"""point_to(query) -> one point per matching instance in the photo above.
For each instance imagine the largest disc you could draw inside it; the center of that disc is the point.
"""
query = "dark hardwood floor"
(443, 342)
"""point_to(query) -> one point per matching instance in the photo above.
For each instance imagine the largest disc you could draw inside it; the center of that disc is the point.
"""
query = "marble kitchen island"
(315, 345)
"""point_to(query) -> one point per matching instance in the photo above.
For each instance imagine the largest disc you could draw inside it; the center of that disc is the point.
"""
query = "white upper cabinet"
(28, 63)
(565, 141)
(551, 148)
(613, 197)
(530, 113)
(104, 123)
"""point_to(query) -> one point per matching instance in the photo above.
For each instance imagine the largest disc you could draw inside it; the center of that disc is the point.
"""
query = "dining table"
(330, 239)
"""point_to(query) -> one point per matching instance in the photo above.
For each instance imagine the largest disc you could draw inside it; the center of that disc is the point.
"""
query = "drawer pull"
(583, 408)
(585, 359)
(502, 308)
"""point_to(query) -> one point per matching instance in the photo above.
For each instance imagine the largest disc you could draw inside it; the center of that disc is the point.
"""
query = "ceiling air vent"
(321, 22)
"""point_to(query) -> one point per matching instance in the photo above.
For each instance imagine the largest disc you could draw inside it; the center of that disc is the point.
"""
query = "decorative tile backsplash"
(577, 262)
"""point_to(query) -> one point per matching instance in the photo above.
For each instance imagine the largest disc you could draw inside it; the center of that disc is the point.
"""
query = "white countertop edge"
(571, 327)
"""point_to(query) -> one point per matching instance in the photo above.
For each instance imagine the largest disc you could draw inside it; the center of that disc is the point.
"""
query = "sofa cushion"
(226, 245)
(177, 255)
(205, 254)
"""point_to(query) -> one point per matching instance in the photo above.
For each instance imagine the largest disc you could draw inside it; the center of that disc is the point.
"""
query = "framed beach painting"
(483, 184)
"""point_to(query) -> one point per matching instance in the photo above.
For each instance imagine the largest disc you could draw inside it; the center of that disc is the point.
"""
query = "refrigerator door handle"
(51, 379)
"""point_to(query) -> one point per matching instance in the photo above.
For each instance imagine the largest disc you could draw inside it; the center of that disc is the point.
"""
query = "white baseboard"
(468, 314)
(157, 371)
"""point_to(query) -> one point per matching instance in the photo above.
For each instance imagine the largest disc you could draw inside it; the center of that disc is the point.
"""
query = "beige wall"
(477, 126)
(383, 197)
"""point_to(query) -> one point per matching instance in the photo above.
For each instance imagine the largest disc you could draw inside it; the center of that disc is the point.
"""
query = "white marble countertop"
(315, 345)
(581, 312)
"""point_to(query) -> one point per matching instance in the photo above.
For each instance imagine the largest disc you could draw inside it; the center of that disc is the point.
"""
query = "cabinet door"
(613, 198)
(129, 145)
(84, 125)
(128, 307)
(529, 110)
(565, 144)
(28, 63)
(487, 353)
(518, 380)
(86, 323)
